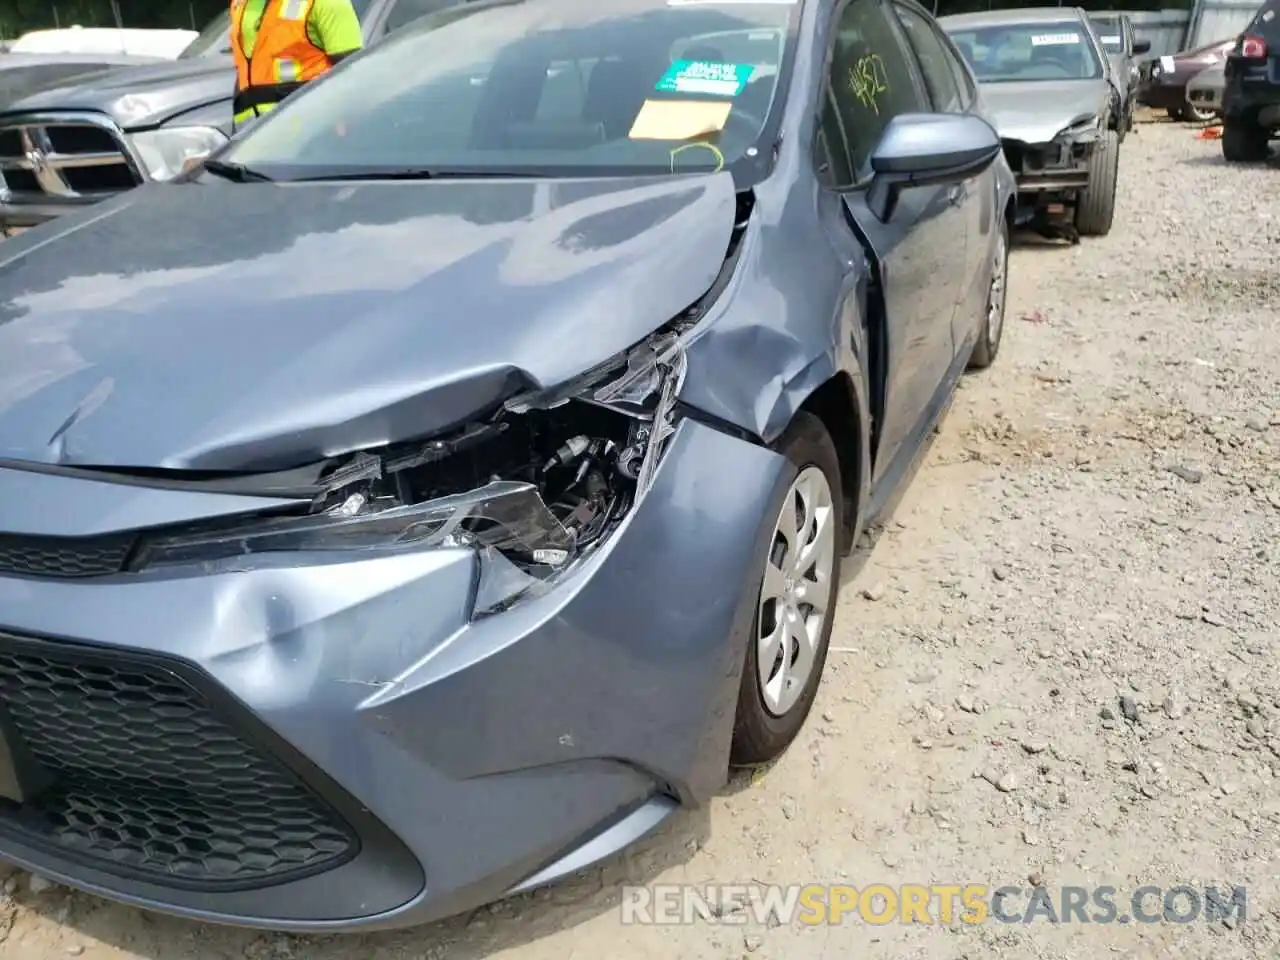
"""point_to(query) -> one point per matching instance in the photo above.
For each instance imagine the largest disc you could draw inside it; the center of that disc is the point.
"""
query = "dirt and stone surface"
(1058, 665)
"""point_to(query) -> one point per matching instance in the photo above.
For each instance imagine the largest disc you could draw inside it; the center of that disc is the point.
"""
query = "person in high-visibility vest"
(279, 45)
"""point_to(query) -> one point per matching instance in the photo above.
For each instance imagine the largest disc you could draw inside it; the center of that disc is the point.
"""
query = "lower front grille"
(68, 157)
(151, 780)
(64, 556)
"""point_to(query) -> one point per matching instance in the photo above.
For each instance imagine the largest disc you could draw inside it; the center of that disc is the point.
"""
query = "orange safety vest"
(284, 58)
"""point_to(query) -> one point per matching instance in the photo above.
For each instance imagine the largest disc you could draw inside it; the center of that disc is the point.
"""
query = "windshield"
(1029, 51)
(215, 38)
(1109, 32)
(541, 87)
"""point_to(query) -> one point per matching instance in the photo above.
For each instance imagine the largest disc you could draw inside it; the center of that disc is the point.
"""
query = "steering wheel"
(1047, 69)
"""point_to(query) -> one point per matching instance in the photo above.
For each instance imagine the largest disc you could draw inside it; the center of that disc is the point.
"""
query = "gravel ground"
(1057, 665)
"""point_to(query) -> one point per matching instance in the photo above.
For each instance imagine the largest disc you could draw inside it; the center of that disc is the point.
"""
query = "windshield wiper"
(236, 172)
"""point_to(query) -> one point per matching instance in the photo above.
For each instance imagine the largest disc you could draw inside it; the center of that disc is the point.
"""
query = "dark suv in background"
(1251, 100)
(78, 144)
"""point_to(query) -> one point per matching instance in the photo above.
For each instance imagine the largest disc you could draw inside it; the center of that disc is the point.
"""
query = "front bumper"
(436, 763)
(1207, 97)
(1046, 170)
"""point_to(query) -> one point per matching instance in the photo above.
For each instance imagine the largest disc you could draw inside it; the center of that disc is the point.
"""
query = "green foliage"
(19, 16)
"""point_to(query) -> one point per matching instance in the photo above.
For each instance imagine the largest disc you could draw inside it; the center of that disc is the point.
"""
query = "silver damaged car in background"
(1051, 92)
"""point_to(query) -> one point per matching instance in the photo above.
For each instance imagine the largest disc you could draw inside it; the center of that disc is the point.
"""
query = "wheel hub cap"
(796, 592)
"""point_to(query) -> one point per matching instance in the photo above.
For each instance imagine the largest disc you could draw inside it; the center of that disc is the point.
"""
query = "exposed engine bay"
(582, 462)
(533, 486)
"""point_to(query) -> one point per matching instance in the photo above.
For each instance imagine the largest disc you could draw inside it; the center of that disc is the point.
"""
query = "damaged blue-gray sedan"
(440, 486)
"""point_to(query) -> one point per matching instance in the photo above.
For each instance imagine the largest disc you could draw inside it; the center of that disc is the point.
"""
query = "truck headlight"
(166, 152)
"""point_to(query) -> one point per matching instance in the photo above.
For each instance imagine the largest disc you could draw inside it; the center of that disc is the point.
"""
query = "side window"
(934, 62)
(871, 82)
(964, 80)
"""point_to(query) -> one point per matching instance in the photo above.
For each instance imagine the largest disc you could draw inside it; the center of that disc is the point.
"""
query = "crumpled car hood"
(1036, 111)
(244, 327)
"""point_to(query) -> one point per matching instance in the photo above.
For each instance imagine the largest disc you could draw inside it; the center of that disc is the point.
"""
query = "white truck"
(166, 44)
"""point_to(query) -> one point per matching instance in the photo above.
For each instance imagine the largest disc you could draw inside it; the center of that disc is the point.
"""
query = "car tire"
(988, 345)
(1243, 141)
(772, 711)
(1189, 114)
(1096, 206)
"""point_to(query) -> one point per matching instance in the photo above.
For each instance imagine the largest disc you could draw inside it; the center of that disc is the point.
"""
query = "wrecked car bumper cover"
(1052, 180)
(338, 745)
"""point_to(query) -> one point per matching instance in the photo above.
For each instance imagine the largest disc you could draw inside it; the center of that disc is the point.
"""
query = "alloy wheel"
(797, 591)
(996, 295)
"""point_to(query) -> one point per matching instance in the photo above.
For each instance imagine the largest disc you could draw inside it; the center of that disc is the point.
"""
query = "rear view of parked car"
(1047, 82)
(1166, 84)
(1251, 98)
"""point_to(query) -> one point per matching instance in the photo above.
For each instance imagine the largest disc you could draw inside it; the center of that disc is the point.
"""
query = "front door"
(921, 250)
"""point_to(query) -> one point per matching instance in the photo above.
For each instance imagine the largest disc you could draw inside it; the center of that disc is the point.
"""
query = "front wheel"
(787, 649)
(1096, 206)
(1243, 141)
(988, 345)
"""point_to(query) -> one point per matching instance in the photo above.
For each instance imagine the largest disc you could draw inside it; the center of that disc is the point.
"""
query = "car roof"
(997, 18)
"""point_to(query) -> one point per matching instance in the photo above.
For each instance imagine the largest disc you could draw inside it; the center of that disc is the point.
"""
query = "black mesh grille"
(149, 781)
(81, 139)
(64, 556)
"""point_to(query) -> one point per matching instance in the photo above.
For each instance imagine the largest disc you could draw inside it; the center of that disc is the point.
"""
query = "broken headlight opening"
(1082, 131)
(532, 489)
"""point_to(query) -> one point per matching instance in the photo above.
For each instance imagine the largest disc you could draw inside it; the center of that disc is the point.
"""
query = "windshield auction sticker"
(1054, 39)
(679, 119)
(703, 76)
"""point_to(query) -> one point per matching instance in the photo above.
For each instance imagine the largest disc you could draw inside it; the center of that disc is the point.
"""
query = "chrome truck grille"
(67, 157)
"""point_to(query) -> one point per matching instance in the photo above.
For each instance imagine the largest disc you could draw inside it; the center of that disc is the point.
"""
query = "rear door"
(951, 90)
(875, 77)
